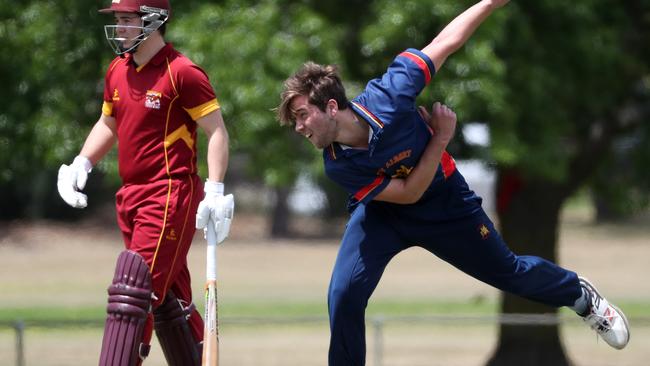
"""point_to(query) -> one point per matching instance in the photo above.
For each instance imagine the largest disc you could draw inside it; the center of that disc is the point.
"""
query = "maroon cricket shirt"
(155, 106)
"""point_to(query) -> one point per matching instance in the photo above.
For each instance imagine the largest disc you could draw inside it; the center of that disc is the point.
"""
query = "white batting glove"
(72, 179)
(216, 210)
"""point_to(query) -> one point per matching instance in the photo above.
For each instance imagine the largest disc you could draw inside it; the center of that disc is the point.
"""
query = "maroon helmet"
(136, 6)
(154, 13)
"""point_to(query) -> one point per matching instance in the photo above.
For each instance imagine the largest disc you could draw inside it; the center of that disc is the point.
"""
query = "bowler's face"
(313, 123)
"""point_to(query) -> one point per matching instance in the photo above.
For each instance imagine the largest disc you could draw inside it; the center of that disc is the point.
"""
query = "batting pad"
(174, 333)
(129, 303)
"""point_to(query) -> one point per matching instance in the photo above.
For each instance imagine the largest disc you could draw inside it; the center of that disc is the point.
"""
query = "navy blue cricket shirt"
(399, 136)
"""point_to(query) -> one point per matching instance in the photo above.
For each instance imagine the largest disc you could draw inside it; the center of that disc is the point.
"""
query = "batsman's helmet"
(154, 13)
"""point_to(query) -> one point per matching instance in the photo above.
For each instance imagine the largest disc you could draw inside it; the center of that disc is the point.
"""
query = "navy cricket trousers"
(375, 234)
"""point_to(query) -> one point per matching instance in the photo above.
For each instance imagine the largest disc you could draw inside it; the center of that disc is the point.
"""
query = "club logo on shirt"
(402, 172)
(399, 157)
(171, 235)
(152, 99)
(116, 1)
(116, 95)
(484, 231)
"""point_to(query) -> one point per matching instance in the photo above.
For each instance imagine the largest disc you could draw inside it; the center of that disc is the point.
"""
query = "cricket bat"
(211, 328)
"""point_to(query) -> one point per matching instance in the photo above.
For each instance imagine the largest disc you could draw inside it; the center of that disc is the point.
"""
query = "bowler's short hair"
(319, 83)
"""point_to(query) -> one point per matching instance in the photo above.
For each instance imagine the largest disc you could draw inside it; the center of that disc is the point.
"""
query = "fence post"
(378, 324)
(20, 336)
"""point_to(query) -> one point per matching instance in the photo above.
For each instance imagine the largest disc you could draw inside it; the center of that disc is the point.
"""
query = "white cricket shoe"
(606, 319)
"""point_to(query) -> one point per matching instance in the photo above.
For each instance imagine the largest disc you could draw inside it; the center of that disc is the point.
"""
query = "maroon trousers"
(157, 221)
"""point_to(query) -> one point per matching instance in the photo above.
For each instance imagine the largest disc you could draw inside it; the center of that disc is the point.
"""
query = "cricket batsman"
(154, 100)
(405, 190)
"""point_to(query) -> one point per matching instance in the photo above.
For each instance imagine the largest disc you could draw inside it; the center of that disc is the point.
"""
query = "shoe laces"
(599, 323)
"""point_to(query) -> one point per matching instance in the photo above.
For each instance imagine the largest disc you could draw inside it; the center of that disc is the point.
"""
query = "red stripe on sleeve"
(359, 196)
(421, 63)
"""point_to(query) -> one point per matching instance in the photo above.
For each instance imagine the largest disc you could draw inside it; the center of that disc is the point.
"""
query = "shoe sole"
(627, 325)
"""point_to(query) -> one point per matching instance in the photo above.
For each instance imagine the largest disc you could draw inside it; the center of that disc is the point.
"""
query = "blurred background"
(553, 100)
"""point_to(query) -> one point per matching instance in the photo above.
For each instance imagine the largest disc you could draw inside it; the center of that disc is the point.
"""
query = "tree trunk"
(529, 216)
(280, 217)
(605, 213)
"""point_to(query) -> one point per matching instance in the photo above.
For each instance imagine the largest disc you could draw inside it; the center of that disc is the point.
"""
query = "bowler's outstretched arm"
(456, 33)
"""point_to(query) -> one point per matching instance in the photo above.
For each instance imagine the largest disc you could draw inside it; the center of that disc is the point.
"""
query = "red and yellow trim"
(181, 133)
(421, 64)
(169, 187)
(182, 237)
(164, 224)
(369, 114)
(115, 63)
(365, 191)
(203, 109)
(171, 76)
(107, 109)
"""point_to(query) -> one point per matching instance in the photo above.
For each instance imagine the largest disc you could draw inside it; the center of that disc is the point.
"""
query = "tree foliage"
(472, 81)
(548, 77)
(49, 66)
(573, 70)
(248, 50)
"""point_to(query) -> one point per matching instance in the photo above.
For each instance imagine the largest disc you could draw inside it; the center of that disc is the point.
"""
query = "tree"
(51, 95)
(565, 114)
(248, 50)
(535, 72)
(621, 184)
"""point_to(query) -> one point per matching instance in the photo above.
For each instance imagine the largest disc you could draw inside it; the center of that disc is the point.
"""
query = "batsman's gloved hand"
(215, 209)
(72, 179)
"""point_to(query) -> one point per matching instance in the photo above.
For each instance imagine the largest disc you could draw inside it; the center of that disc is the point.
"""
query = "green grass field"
(272, 298)
(274, 311)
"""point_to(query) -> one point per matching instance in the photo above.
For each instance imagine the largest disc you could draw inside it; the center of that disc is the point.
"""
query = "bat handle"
(211, 268)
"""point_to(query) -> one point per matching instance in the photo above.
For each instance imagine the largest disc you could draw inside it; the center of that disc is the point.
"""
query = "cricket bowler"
(405, 190)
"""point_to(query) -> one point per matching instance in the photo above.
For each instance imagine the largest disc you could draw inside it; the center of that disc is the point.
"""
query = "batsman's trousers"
(157, 221)
(376, 233)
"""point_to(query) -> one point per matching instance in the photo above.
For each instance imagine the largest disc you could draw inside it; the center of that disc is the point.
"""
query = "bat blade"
(211, 327)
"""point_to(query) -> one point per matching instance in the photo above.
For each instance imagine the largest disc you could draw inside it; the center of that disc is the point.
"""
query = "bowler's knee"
(346, 299)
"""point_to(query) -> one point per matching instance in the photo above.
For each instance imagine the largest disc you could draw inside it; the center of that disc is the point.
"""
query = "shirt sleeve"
(196, 93)
(395, 92)
(107, 105)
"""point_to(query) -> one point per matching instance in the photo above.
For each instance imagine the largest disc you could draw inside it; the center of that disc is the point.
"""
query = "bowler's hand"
(216, 210)
(442, 121)
(72, 179)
